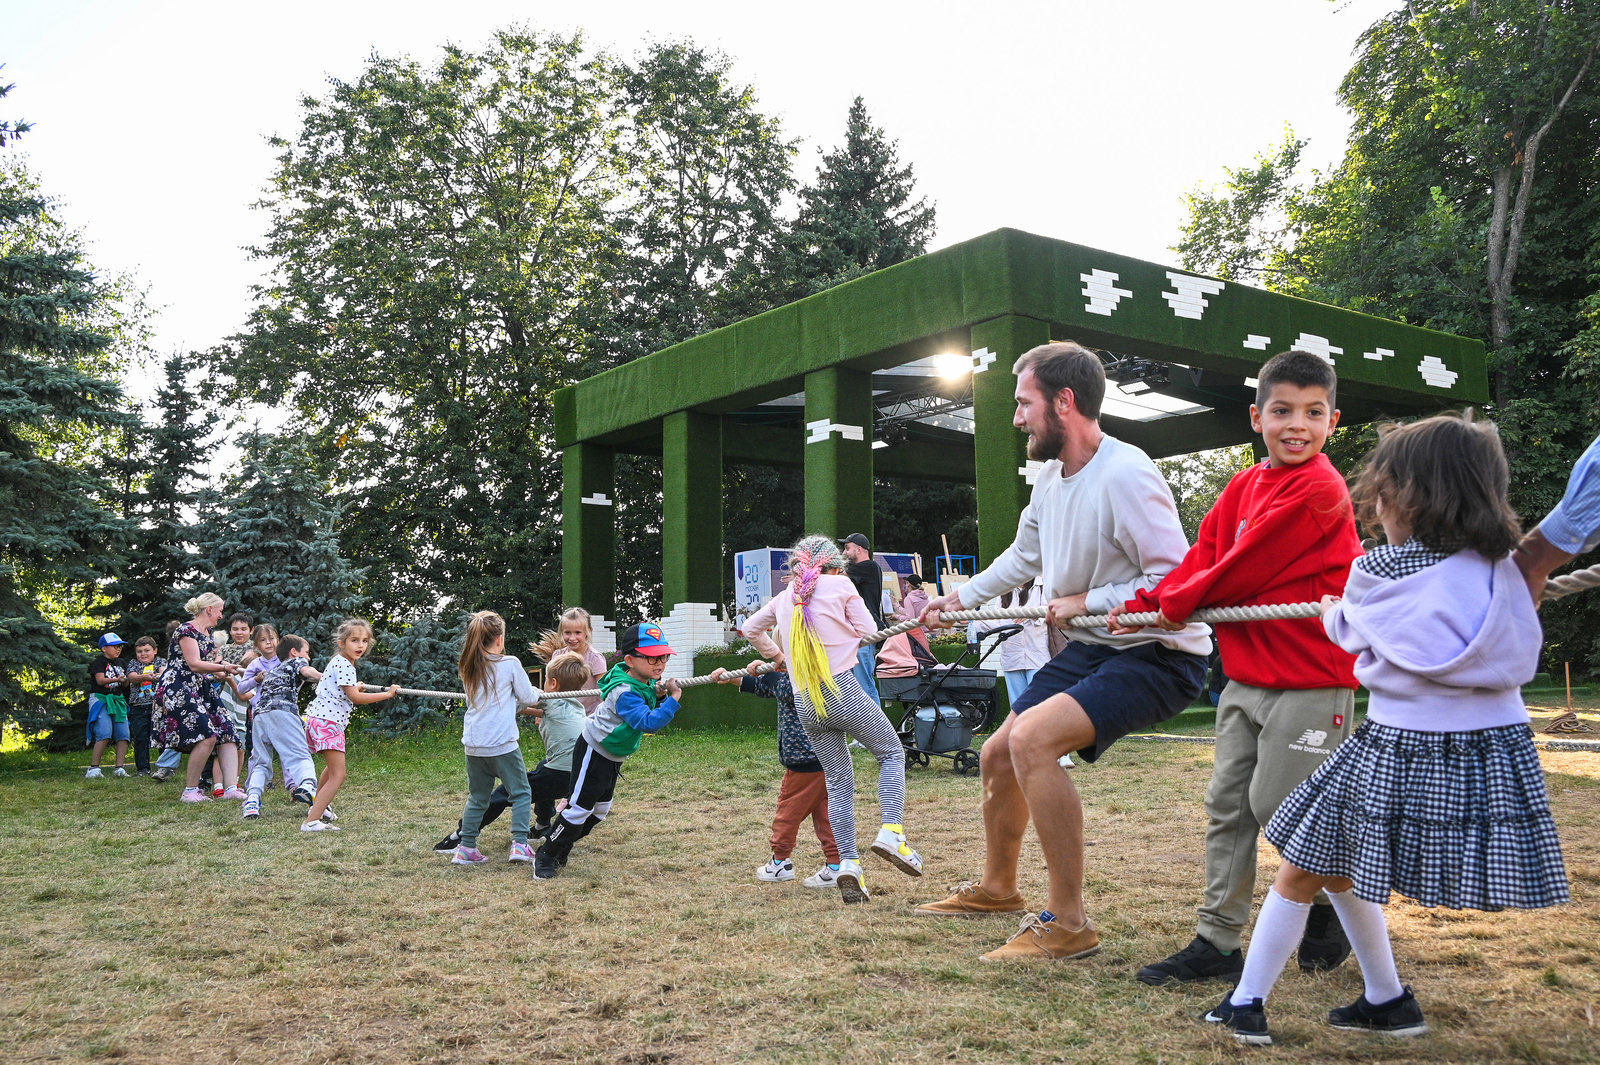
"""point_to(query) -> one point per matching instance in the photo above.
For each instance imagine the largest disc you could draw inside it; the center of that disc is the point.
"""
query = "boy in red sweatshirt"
(1281, 532)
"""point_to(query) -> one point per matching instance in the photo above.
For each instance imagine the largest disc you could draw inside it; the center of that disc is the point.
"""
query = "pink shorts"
(324, 735)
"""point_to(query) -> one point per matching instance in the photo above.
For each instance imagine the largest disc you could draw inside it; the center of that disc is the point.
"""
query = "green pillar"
(1000, 450)
(588, 529)
(838, 452)
(691, 509)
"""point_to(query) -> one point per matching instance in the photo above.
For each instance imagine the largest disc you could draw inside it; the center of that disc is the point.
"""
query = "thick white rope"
(753, 670)
(1556, 588)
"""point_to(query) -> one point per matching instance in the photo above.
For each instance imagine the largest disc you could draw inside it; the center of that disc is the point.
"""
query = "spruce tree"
(269, 541)
(164, 469)
(860, 214)
(60, 534)
(422, 654)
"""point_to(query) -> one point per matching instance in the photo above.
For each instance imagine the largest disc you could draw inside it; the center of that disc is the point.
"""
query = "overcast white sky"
(1081, 121)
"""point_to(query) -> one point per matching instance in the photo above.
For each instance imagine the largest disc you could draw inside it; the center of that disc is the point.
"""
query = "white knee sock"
(1279, 926)
(1368, 932)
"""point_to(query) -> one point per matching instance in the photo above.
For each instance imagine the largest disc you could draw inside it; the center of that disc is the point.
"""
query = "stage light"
(952, 365)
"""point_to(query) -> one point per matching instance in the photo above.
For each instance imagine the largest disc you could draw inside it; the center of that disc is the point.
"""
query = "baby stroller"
(946, 705)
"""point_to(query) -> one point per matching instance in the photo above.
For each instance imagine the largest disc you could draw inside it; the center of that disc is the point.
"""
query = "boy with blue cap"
(108, 706)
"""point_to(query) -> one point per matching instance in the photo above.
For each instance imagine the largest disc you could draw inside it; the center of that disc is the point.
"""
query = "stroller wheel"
(966, 762)
(915, 758)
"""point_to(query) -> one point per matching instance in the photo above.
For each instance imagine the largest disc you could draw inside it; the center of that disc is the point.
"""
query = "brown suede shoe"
(1040, 940)
(970, 900)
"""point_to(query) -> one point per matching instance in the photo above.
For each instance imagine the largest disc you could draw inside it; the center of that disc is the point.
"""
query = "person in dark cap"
(867, 576)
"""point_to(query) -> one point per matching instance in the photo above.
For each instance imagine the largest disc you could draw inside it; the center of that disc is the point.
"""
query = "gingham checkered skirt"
(1456, 819)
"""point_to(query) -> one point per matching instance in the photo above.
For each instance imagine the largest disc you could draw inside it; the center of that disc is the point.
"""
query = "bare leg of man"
(1005, 813)
(1039, 738)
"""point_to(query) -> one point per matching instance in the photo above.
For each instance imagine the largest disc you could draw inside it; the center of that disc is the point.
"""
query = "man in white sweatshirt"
(1100, 527)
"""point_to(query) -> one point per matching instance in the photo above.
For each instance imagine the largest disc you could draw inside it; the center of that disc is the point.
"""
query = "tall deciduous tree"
(60, 535)
(710, 172)
(1468, 200)
(438, 238)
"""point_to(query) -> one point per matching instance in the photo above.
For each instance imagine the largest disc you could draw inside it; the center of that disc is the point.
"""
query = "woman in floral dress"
(193, 718)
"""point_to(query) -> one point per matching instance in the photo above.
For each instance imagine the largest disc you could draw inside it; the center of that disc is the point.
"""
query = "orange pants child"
(802, 795)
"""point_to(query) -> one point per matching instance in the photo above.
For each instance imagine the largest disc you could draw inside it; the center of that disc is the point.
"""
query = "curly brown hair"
(1446, 478)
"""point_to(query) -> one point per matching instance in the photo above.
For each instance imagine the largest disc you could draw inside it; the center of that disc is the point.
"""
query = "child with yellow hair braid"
(820, 621)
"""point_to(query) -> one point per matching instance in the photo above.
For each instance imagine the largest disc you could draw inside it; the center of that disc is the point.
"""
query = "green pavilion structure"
(907, 372)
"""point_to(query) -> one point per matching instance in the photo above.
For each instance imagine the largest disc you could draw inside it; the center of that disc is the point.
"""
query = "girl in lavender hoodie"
(820, 620)
(1438, 795)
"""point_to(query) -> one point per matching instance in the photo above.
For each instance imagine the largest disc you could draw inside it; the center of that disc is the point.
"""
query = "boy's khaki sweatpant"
(1268, 741)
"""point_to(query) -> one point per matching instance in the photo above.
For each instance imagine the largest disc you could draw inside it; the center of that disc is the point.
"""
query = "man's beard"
(1047, 445)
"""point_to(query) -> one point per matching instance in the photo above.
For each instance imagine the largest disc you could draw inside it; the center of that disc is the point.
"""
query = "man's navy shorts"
(1122, 691)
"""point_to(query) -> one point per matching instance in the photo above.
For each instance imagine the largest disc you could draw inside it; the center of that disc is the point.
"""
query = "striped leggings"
(852, 714)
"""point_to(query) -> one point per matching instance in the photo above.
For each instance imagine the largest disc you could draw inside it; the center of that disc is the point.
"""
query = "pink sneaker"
(194, 795)
(520, 852)
(234, 793)
(468, 856)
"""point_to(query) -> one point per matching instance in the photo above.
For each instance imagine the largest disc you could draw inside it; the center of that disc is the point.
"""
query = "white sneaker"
(852, 888)
(119, 772)
(775, 872)
(822, 878)
(317, 826)
(892, 846)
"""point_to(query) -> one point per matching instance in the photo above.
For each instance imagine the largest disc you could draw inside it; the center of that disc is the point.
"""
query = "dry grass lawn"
(140, 930)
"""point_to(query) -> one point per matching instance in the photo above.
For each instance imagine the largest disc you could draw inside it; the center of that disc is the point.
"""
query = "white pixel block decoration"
(1317, 346)
(1188, 300)
(604, 639)
(1378, 354)
(599, 499)
(1099, 286)
(1436, 373)
(819, 431)
(982, 359)
(688, 626)
(1256, 342)
(1030, 472)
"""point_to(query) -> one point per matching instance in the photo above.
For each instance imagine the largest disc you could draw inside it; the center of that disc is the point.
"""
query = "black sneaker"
(1197, 962)
(449, 843)
(305, 797)
(1401, 1016)
(1324, 945)
(541, 829)
(545, 866)
(1248, 1023)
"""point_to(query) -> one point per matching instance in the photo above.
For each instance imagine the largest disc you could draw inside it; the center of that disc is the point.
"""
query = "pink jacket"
(837, 611)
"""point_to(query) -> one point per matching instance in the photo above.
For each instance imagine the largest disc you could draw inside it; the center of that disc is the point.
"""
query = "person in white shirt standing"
(1100, 527)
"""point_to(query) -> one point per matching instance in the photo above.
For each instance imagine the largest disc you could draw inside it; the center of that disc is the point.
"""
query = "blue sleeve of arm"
(638, 713)
(1574, 526)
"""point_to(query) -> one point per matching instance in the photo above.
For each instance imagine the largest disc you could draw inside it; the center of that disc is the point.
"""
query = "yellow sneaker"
(891, 845)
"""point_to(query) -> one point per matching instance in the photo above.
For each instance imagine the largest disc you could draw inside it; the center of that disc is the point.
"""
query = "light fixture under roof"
(952, 365)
